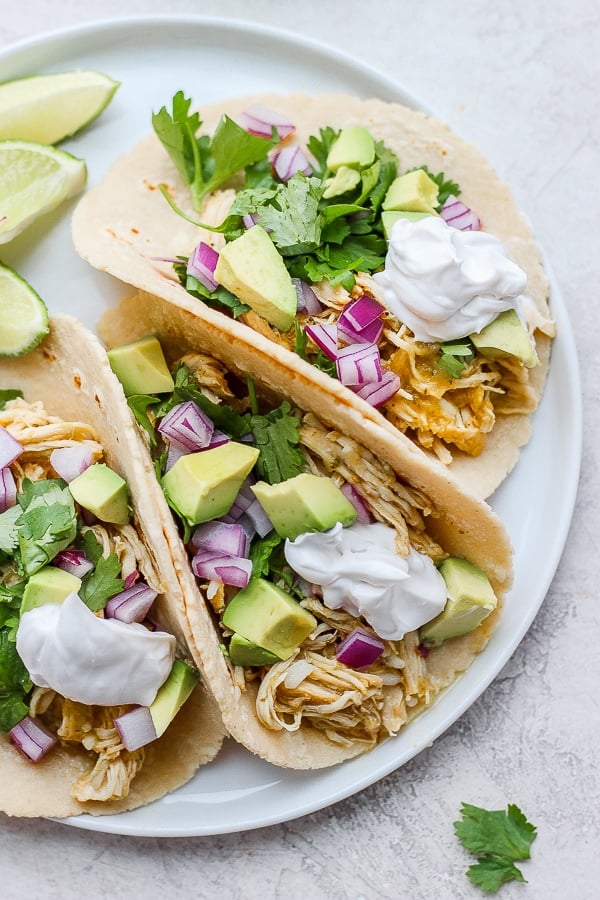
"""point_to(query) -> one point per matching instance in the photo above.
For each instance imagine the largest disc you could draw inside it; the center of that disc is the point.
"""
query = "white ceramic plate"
(212, 59)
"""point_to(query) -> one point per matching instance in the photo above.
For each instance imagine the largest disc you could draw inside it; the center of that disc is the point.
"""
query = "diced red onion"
(456, 214)
(218, 438)
(136, 728)
(359, 649)
(32, 738)
(132, 604)
(248, 525)
(187, 427)
(221, 538)
(131, 579)
(369, 335)
(10, 448)
(379, 392)
(362, 312)
(73, 561)
(8, 489)
(289, 161)
(232, 570)
(363, 516)
(260, 120)
(250, 219)
(259, 518)
(69, 462)
(202, 264)
(173, 454)
(325, 337)
(359, 364)
(307, 299)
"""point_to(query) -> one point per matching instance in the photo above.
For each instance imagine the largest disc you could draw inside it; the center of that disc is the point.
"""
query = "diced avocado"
(202, 486)
(264, 614)
(471, 599)
(354, 147)
(49, 585)
(252, 269)
(506, 336)
(304, 503)
(104, 493)
(172, 694)
(392, 215)
(246, 653)
(344, 180)
(414, 191)
(141, 367)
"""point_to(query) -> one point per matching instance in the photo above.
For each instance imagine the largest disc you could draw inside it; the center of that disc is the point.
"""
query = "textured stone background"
(522, 80)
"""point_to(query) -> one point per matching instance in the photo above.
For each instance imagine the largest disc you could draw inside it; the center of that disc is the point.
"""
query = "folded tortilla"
(382, 469)
(69, 374)
(125, 227)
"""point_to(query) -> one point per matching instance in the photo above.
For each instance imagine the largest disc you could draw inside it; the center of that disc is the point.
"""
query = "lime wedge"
(34, 179)
(23, 315)
(48, 108)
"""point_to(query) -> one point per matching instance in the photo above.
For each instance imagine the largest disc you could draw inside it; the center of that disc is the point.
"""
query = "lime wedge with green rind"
(48, 108)
(34, 179)
(23, 314)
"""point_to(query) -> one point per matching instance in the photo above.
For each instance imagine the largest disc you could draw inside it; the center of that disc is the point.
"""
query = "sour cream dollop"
(92, 660)
(360, 571)
(444, 283)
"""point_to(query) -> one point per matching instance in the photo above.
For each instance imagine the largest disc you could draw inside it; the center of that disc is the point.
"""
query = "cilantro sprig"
(455, 356)
(498, 839)
(206, 162)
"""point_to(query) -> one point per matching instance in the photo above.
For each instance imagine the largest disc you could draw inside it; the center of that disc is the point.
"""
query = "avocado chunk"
(392, 215)
(264, 614)
(344, 180)
(414, 191)
(471, 599)
(104, 493)
(304, 503)
(506, 336)
(202, 486)
(141, 367)
(49, 585)
(245, 653)
(252, 269)
(354, 147)
(172, 694)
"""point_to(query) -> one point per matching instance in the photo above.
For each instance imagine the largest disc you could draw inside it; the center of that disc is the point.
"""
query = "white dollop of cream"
(92, 660)
(360, 571)
(444, 283)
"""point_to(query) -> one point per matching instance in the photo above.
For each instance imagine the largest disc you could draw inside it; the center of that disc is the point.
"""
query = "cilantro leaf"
(277, 436)
(260, 553)
(15, 683)
(455, 356)
(9, 394)
(205, 162)
(139, 405)
(292, 217)
(218, 298)
(47, 524)
(319, 148)
(498, 838)
(102, 583)
(8, 532)
(91, 546)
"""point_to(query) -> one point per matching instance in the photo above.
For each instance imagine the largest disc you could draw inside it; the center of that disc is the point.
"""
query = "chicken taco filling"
(83, 663)
(377, 274)
(330, 597)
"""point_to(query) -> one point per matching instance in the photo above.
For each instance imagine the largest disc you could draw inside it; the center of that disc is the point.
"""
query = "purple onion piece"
(369, 335)
(455, 213)
(359, 649)
(202, 264)
(136, 728)
(363, 516)
(187, 427)
(359, 364)
(132, 604)
(232, 570)
(218, 438)
(379, 392)
(32, 738)
(259, 518)
(69, 462)
(10, 448)
(250, 220)
(8, 489)
(260, 120)
(221, 538)
(289, 161)
(362, 312)
(308, 301)
(73, 561)
(174, 452)
(325, 337)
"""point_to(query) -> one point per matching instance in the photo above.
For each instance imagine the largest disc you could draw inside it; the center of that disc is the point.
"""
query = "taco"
(272, 487)
(362, 242)
(91, 627)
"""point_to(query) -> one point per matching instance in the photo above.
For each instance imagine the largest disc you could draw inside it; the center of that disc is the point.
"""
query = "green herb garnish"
(9, 394)
(46, 525)
(276, 436)
(455, 356)
(498, 839)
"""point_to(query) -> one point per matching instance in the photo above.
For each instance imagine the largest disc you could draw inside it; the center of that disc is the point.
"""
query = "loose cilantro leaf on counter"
(276, 436)
(9, 394)
(206, 162)
(498, 839)
(455, 357)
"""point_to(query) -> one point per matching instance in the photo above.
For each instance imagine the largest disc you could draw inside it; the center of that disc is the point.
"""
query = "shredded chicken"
(210, 374)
